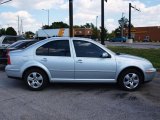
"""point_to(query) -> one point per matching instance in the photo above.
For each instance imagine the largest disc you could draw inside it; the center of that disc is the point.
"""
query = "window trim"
(92, 43)
(48, 48)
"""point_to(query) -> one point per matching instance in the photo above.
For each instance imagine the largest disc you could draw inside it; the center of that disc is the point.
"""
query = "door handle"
(79, 61)
(44, 60)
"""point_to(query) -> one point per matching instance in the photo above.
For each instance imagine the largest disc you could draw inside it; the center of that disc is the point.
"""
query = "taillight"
(8, 58)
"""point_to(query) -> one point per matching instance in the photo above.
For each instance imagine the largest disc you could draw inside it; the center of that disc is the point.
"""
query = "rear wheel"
(130, 79)
(36, 79)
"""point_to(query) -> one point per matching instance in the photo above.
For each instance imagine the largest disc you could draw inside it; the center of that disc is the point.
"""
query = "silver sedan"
(77, 60)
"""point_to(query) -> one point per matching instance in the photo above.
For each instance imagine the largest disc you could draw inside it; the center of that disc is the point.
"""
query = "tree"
(46, 27)
(105, 34)
(2, 31)
(10, 31)
(123, 24)
(117, 32)
(29, 34)
(111, 35)
(56, 25)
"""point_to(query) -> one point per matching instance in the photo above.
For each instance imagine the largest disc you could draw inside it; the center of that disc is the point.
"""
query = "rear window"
(10, 40)
(22, 44)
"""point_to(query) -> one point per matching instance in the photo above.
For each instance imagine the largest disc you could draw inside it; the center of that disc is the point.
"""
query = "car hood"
(127, 56)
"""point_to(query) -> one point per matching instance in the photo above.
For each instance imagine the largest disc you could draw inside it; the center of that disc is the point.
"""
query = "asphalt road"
(78, 102)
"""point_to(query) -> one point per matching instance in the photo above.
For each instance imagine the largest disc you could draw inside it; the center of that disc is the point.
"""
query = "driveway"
(78, 101)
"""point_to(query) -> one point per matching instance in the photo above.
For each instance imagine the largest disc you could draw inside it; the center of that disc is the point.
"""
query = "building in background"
(63, 32)
(145, 34)
(83, 32)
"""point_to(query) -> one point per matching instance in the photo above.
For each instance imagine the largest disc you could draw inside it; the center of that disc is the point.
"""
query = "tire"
(36, 79)
(130, 79)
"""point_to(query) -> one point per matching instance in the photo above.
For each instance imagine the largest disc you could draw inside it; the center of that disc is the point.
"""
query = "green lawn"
(152, 55)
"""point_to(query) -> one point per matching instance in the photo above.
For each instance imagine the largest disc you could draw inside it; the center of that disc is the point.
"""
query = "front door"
(90, 65)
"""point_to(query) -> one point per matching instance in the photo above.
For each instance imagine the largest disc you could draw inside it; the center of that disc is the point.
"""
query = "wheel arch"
(35, 67)
(131, 67)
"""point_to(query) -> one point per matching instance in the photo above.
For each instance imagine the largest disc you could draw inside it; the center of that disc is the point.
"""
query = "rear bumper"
(12, 72)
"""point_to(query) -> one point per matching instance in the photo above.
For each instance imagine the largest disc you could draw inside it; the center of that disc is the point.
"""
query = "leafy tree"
(46, 27)
(117, 32)
(123, 24)
(76, 26)
(10, 31)
(56, 25)
(2, 31)
(29, 34)
(87, 25)
(111, 35)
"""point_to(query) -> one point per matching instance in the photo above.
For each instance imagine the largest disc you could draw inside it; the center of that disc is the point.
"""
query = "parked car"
(22, 44)
(147, 39)
(7, 40)
(118, 39)
(76, 60)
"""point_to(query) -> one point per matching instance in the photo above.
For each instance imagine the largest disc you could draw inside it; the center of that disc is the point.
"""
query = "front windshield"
(106, 48)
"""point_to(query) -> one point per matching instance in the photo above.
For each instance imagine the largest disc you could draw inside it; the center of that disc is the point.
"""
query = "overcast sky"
(85, 11)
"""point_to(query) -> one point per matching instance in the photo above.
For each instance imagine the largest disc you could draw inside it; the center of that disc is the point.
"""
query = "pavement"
(78, 101)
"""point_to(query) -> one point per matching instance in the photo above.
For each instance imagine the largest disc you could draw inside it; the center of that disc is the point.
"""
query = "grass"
(152, 55)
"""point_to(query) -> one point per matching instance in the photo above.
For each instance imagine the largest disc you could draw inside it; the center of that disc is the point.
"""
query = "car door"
(89, 65)
(56, 56)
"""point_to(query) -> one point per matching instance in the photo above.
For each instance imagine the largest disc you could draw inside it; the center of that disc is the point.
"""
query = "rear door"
(56, 56)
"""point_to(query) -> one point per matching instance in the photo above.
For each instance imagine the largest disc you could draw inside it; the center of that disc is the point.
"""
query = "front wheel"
(36, 79)
(130, 79)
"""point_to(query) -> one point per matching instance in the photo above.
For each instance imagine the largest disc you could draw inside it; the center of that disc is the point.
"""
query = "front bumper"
(150, 74)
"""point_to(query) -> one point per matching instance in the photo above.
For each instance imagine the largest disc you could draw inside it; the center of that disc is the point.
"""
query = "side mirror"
(105, 55)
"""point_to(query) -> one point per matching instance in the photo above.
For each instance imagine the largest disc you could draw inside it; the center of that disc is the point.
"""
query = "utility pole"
(47, 14)
(122, 24)
(129, 26)
(48, 17)
(21, 26)
(96, 27)
(18, 26)
(96, 21)
(102, 22)
(71, 17)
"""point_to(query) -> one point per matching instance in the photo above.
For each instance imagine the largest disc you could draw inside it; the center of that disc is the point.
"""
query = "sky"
(85, 11)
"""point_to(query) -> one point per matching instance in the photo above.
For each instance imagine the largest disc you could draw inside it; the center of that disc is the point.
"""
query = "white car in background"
(7, 40)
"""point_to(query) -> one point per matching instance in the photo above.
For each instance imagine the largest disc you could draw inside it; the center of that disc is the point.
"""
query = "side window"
(55, 48)
(87, 49)
(43, 50)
